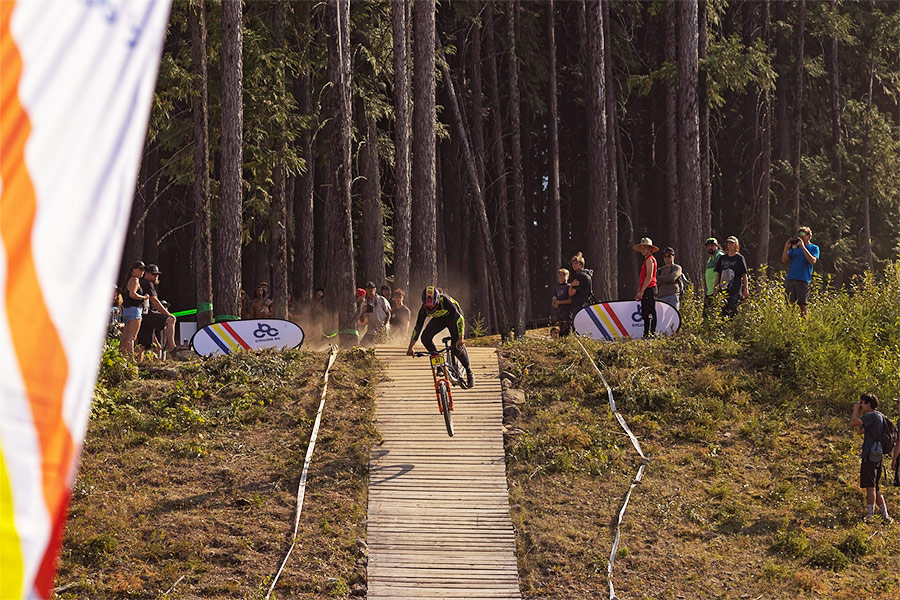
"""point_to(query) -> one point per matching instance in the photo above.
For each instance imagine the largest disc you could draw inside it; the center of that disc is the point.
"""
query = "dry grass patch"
(749, 494)
(193, 478)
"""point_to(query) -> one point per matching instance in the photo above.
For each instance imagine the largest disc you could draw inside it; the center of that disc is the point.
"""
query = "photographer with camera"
(802, 254)
(376, 312)
(867, 421)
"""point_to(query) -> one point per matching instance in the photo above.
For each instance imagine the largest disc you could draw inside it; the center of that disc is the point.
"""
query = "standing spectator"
(714, 252)
(400, 316)
(158, 320)
(115, 315)
(731, 276)
(580, 288)
(267, 300)
(319, 309)
(802, 254)
(647, 289)
(895, 462)
(245, 304)
(562, 302)
(867, 421)
(376, 314)
(259, 308)
(386, 292)
(671, 284)
(132, 308)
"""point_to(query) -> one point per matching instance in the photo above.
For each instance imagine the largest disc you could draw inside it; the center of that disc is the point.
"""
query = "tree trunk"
(501, 221)
(498, 292)
(782, 86)
(689, 138)
(672, 190)
(228, 231)
(864, 178)
(762, 164)
(598, 181)
(278, 212)
(798, 120)
(151, 220)
(423, 252)
(340, 284)
(612, 124)
(520, 246)
(630, 278)
(372, 238)
(304, 194)
(555, 253)
(834, 81)
(134, 240)
(401, 218)
(202, 243)
(705, 183)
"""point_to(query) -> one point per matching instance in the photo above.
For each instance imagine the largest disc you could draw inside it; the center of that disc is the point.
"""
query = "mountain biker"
(444, 312)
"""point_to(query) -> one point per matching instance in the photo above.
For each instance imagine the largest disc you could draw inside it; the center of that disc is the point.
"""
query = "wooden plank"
(438, 522)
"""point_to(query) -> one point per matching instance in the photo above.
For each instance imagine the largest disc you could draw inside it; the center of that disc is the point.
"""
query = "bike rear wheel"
(446, 406)
(460, 374)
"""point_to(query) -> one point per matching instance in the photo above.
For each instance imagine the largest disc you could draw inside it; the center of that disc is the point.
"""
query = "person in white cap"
(731, 276)
(647, 289)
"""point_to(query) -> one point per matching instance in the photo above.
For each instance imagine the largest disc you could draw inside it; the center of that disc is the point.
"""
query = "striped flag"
(76, 82)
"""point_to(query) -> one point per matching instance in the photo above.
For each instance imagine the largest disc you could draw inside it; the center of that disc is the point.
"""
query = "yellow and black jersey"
(447, 309)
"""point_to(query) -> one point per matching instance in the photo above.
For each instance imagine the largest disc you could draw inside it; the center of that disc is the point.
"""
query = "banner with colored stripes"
(76, 83)
(610, 321)
(250, 334)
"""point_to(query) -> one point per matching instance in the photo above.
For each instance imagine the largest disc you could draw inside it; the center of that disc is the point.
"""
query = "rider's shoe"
(470, 380)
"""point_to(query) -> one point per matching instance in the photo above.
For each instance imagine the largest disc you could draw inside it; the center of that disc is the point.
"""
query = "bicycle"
(446, 371)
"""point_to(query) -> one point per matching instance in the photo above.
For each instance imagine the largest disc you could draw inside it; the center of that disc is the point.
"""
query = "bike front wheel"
(446, 406)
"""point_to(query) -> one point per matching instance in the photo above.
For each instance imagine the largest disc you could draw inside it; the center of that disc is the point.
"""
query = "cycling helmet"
(431, 296)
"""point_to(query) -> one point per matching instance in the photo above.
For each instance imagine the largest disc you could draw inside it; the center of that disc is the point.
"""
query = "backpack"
(888, 436)
(884, 445)
(681, 283)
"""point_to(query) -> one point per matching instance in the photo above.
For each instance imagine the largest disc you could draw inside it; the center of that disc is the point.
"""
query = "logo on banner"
(265, 330)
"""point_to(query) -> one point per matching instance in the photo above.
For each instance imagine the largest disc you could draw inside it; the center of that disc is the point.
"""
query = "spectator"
(647, 289)
(319, 309)
(360, 301)
(580, 288)
(803, 256)
(158, 320)
(114, 329)
(132, 308)
(714, 252)
(895, 463)
(376, 314)
(671, 283)
(259, 308)
(245, 304)
(562, 302)
(731, 276)
(867, 421)
(386, 292)
(554, 333)
(400, 316)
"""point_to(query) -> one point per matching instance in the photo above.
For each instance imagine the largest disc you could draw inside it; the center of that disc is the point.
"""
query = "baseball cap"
(138, 264)
(712, 240)
(669, 250)
(370, 284)
(731, 238)
(153, 270)
(360, 292)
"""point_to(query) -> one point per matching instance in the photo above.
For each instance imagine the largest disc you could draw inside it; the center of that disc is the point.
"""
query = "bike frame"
(442, 376)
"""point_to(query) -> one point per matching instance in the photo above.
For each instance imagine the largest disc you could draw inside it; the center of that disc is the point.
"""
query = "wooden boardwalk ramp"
(438, 523)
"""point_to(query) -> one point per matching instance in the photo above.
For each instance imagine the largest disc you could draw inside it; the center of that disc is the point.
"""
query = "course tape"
(301, 488)
(637, 479)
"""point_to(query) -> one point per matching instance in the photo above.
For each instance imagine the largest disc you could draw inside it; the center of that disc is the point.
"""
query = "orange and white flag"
(76, 83)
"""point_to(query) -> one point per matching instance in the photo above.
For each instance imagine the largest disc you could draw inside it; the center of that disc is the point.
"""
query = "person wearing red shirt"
(646, 294)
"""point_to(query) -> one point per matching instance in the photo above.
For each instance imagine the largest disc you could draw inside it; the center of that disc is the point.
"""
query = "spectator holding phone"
(802, 255)
(376, 313)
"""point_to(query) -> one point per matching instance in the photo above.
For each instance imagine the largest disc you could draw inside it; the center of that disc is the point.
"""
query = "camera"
(795, 241)
(369, 308)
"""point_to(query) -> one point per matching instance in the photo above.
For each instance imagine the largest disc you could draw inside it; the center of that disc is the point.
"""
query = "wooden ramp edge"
(438, 522)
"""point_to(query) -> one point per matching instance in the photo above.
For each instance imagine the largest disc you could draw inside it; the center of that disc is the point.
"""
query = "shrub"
(791, 543)
(856, 544)
(830, 557)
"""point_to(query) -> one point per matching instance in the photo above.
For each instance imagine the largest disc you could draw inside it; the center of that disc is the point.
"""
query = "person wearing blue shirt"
(802, 255)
